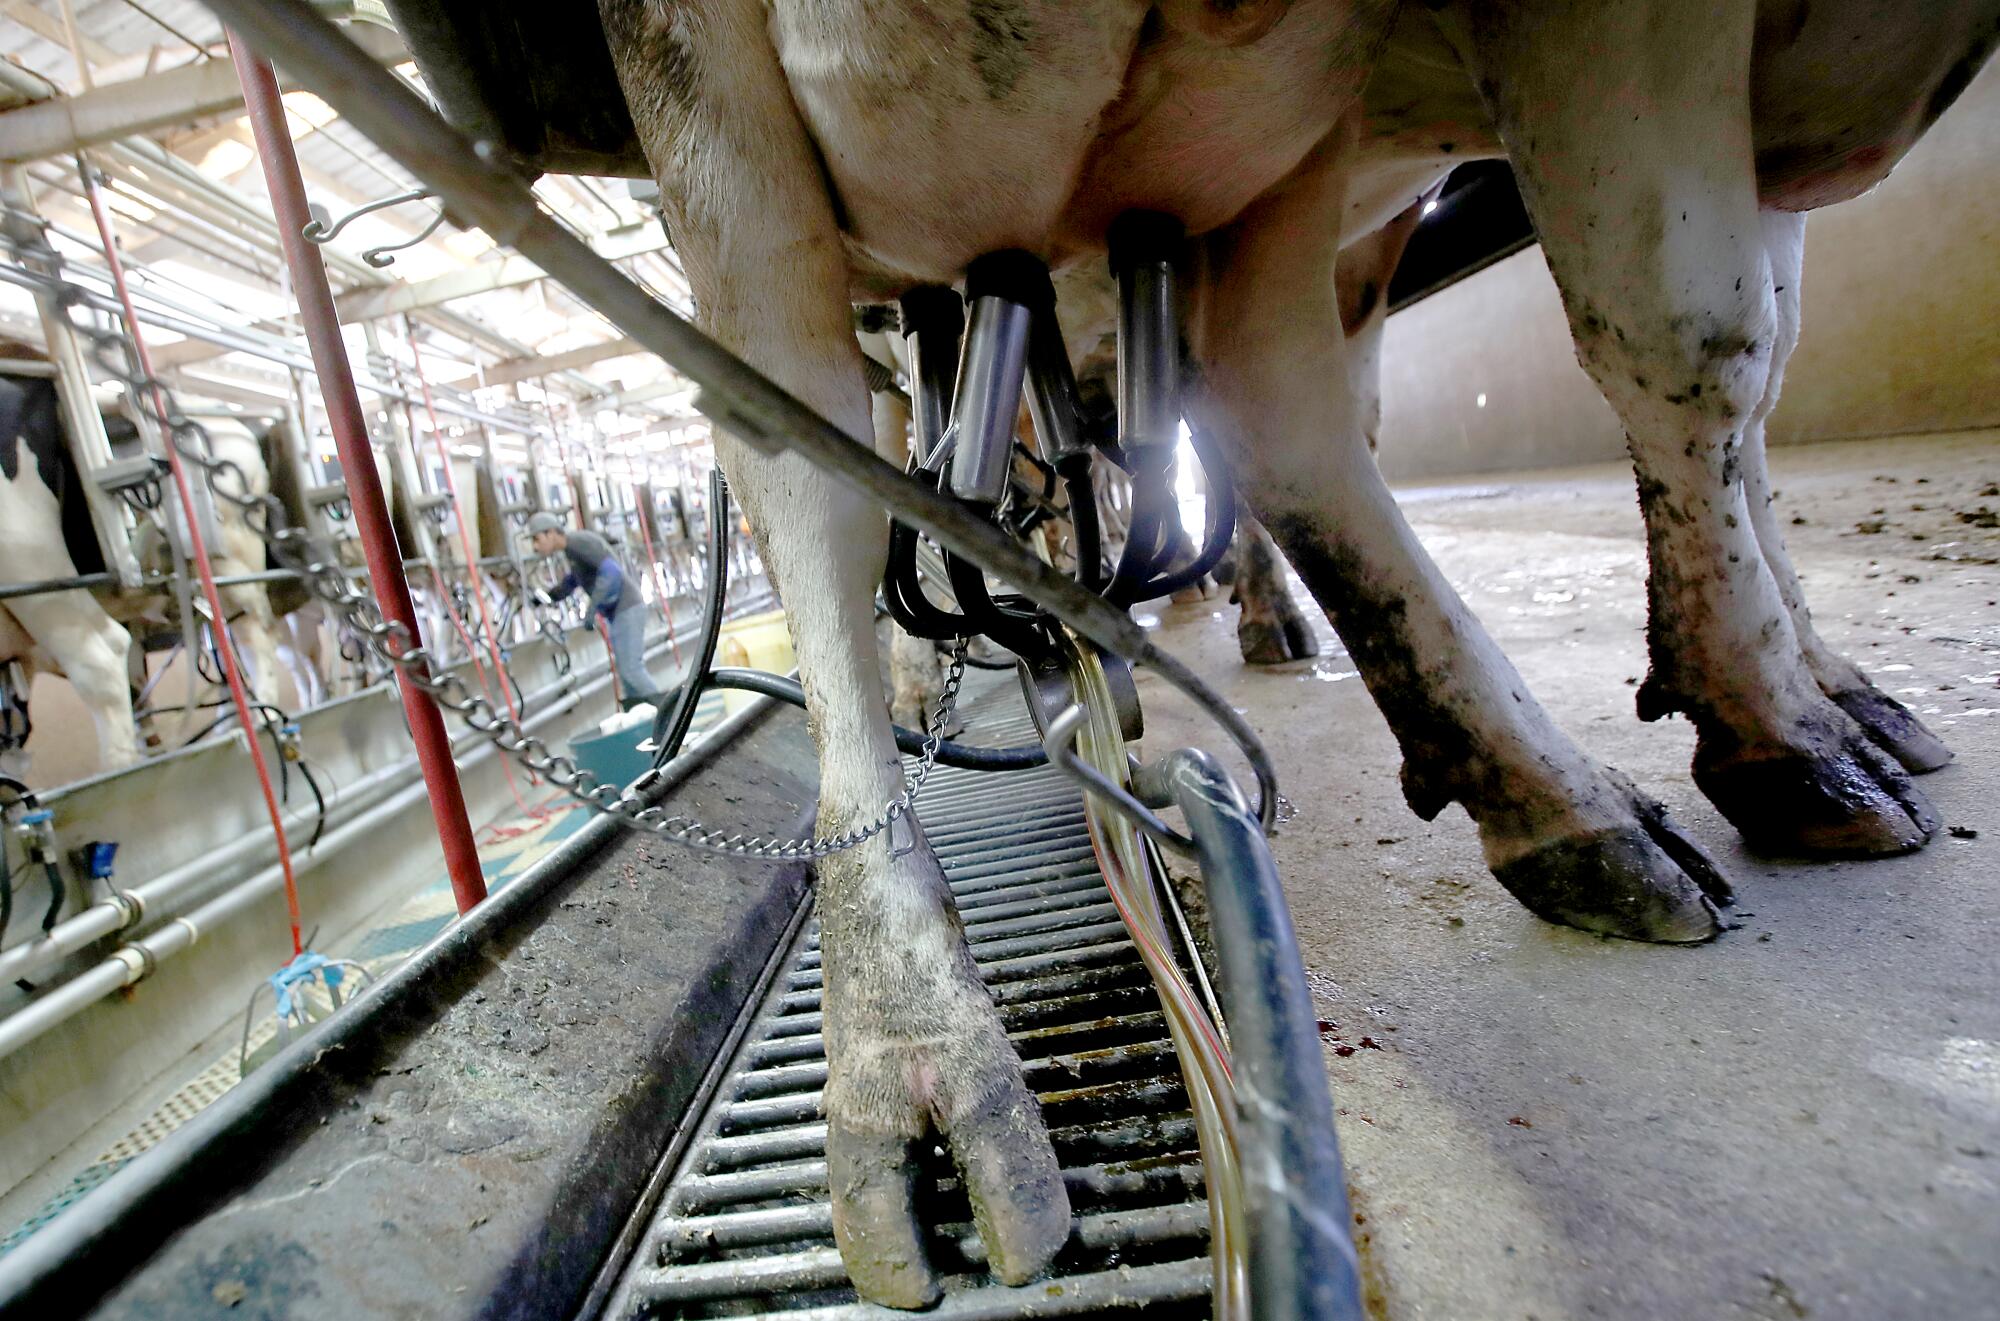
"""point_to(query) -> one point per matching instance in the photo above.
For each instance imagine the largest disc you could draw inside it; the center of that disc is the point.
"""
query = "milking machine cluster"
(971, 361)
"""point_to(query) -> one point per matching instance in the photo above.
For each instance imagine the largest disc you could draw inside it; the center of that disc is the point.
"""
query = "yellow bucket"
(758, 642)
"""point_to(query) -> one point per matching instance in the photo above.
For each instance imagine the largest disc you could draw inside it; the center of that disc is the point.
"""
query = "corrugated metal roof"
(202, 255)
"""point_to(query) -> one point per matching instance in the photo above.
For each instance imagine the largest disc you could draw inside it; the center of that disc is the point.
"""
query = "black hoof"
(1851, 800)
(1646, 881)
(1275, 642)
(1895, 728)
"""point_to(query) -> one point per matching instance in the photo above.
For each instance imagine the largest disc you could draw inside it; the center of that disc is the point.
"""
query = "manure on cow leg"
(1892, 726)
(1647, 881)
(1831, 793)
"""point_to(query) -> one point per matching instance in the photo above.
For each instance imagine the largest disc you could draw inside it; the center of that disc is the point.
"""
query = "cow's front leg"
(1270, 627)
(914, 1044)
(1572, 840)
(1891, 724)
(1648, 215)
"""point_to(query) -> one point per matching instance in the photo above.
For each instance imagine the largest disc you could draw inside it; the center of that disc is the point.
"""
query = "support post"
(364, 485)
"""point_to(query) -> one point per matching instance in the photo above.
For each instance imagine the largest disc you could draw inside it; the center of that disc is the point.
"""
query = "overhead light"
(1430, 205)
(130, 207)
(468, 244)
(310, 108)
(225, 158)
(1480, 401)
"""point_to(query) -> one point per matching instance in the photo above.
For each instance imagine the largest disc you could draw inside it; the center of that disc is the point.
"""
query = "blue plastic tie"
(303, 968)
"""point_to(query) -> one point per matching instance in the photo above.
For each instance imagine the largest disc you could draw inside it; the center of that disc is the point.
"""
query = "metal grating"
(744, 1228)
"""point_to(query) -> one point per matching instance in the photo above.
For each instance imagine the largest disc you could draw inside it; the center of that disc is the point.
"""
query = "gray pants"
(628, 655)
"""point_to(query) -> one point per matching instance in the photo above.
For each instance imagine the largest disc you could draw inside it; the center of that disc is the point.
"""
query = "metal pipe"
(73, 1257)
(364, 485)
(479, 183)
(1302, 1258)
(129, 963)
(31, 959)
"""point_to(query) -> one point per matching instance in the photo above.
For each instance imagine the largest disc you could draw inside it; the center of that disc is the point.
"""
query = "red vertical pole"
(357, 461)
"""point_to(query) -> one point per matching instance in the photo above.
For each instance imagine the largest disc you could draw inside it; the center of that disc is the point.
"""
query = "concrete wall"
(1901, 334)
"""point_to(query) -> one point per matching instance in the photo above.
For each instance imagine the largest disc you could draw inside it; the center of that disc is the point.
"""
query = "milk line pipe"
(479, 183)
(236, 341)
(137, 959)
(1303, 1262)
(30, 959)
(131, 962)
(321, 324)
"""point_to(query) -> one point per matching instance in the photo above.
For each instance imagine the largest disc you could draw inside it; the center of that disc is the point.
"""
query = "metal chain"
(323, 576)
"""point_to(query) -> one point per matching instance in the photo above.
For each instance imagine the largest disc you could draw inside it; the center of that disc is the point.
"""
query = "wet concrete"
(1799, 1120)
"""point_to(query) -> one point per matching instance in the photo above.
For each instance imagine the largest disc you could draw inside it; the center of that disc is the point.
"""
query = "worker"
(594, 568)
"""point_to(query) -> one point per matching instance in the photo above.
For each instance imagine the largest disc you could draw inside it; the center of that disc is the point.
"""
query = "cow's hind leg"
(1891, 724)
(1573, 840)
(90, 647)
(1270, 627)
(1650, 222)
(914, 1043)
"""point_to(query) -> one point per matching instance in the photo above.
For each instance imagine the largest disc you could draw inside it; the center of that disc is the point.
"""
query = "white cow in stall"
(812, 154)
(82, 635)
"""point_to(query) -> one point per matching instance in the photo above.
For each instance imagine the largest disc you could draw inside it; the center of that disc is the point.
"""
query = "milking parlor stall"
(1273, 660)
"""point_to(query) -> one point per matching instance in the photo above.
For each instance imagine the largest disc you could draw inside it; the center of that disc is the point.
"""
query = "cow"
(816, 153)
(83, 635)
(1674, 225)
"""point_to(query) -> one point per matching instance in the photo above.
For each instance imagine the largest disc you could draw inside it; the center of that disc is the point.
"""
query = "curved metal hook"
(314, 232)
(380, 257)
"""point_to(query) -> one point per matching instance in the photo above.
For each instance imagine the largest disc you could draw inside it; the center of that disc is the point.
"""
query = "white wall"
(1901, 333)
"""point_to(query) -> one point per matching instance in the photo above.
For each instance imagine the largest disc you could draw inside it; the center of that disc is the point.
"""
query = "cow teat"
(1223, 22)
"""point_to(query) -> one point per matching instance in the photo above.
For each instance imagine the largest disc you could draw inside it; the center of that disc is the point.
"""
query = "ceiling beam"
(178, 97)
(527, 369)
(389, 300)
(30, 16)
(508, 273)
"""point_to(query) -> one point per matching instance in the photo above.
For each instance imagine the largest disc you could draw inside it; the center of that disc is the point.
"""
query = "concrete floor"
(1799, 1120)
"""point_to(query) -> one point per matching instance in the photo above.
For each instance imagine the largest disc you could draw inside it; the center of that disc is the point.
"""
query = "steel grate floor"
(743, 1227)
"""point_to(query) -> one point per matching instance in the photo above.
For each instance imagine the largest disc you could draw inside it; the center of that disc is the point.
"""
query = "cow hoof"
(1643, 881)
(1007, 1168)
(1020, 1205)
(872, 1179)
(1201, 589)
(1894, 728)
(1274, 642)
(1839, 797)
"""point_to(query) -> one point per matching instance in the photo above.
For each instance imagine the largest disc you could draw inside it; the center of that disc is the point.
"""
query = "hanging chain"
(294, 549)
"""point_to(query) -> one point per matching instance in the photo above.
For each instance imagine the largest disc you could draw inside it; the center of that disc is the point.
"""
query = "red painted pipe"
(364, 485)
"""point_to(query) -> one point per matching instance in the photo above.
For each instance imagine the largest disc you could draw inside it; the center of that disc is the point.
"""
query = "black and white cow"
(46, 533)
(817, 153)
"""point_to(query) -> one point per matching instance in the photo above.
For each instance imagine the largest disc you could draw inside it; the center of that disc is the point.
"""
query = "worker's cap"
(543, 521)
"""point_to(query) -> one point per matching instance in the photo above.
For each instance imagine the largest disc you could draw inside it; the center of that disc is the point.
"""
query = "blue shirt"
(595, 569)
